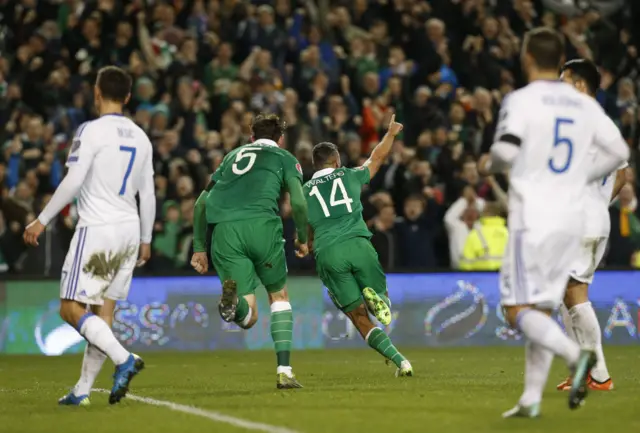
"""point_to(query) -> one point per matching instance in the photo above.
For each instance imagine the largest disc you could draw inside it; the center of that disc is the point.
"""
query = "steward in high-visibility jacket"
(485, 245)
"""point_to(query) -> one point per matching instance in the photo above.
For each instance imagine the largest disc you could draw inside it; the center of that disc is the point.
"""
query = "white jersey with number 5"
(557, 128)
(119, 156)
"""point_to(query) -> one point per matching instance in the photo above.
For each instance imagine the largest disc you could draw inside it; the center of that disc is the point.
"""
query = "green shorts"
(346, 268)
(250, 252)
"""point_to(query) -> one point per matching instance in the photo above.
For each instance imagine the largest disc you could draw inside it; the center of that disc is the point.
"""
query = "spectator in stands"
(416, 232)
(459, 220)
(384, 236)
(335, 71)
(484, 247)
(625, 228)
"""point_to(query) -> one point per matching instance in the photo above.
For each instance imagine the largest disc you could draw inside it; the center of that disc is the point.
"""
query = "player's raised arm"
(381, 152)
(147, 209)
(614, 151)
(79, 161)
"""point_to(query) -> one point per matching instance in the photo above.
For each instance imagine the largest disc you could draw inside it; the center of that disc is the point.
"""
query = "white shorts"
(587, 258)
(534, 269)
(100, 263)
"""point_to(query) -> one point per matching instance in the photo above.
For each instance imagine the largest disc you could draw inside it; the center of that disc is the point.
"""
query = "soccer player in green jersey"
(346, 261)
(247, 247)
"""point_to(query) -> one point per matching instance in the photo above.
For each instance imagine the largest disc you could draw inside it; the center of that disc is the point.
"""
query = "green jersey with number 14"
(249, 182)
(335, 210)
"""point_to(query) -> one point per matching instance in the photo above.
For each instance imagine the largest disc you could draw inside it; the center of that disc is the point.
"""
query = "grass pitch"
(454, 390)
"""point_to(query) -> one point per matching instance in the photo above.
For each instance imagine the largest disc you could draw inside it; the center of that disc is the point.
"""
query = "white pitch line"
(213, 416)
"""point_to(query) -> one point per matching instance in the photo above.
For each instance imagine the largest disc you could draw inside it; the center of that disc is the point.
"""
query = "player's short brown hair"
(322, 153)
(546, 47)
(268, 126)
(114, 84)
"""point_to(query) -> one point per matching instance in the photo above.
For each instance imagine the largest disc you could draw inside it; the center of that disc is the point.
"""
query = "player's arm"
(381, 152)
(79, 162)
(298, 208)
(508, 139)
(200, 214)
(621, 179)
(614, 150)
(147, 209)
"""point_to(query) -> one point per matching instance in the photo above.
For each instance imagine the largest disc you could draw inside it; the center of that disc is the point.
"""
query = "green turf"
(454, 390)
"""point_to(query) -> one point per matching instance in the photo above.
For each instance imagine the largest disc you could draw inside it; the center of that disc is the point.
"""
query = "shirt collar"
(323, 172)
(266, 142)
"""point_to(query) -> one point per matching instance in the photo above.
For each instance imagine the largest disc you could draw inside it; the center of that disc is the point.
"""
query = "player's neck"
(111, 110)
(543, 76)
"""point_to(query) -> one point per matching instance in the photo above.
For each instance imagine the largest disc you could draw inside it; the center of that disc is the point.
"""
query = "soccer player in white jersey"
(109, 163)
(578, 315)
(544, 137)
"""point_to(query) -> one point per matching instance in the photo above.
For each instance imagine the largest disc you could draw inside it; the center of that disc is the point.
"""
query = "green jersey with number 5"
(249, 182)
(335, 210)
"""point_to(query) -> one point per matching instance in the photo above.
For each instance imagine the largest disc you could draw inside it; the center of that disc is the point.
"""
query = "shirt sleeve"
(82, 147)
(217, 175)
(613, 151)
(80, 159)
(512, 124)
(291, 168)
(147, 201)
(362, 174)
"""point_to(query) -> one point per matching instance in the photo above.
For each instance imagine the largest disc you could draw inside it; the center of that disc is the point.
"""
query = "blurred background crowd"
(335, 71)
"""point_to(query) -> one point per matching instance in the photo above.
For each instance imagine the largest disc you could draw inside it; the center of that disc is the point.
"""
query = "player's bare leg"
(98, 333)
(544, 340)
(378, 340)
(582, 326)
(282, 335)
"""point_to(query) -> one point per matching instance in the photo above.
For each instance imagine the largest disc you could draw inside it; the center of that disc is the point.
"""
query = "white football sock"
(587, 329)
(97, 332)
(543, 330)
(91, 366)
(567, 321)
(536, 371)
(285, 369)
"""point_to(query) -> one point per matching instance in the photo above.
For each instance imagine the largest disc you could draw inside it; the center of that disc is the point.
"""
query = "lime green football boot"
(376, 306)
(287, 382)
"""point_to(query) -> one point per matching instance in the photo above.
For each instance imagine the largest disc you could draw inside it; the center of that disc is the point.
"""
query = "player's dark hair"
(114, 84)
(322, 153)
(586, 70)
(268, 126)
(546, 47)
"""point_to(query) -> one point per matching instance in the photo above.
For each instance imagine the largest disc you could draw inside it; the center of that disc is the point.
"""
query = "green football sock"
(381, 343)
(242, 309)
(282, 331)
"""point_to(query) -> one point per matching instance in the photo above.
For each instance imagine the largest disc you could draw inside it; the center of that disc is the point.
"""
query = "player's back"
(335, 209)
(558, 127)
(120, 155)
(249, 182)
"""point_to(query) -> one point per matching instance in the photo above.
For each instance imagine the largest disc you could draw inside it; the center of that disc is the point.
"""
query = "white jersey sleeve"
(511, 128)
(147, 201)
(79, 162)
(612, 151)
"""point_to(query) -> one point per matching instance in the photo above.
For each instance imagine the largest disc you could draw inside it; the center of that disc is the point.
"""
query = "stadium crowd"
(334, 70)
